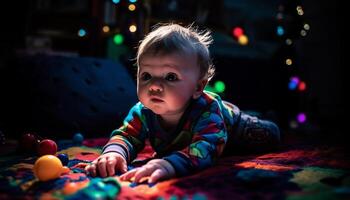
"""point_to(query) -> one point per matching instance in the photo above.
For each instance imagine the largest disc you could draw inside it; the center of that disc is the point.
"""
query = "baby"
(187, 127)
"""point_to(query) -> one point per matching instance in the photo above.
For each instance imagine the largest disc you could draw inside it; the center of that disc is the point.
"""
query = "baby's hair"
(173, 38)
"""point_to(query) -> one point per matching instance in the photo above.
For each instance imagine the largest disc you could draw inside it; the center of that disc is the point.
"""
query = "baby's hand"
(107, 164)
(157, 169)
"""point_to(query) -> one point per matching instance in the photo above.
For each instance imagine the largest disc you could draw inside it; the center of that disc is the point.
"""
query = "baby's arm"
(107, 165)
(156, 169)
(123, 145)
(208, 141)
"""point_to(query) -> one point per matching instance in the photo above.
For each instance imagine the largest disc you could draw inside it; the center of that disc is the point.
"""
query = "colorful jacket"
(196, 143)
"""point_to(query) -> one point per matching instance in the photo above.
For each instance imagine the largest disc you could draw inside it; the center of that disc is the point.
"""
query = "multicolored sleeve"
(209, 139)
(129, 139)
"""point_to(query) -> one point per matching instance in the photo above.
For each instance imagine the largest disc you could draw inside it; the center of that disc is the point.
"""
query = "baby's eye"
(171, 77)
(145, 76)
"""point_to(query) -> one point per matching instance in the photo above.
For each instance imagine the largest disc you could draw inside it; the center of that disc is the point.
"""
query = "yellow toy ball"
(48, 167)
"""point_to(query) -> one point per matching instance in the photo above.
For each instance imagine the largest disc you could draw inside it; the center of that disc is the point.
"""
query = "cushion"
(61, 95)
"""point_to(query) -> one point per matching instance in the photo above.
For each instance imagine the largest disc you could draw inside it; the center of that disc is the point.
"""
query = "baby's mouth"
(156, 100)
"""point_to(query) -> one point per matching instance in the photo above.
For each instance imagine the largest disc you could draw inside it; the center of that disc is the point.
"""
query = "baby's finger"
(101, 166)
(158, 174)
(121, 165)
(91, 169)
(143, 172)
(111, 164)
(128, 175)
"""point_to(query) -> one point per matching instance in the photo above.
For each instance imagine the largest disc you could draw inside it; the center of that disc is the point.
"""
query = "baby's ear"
(199, 88)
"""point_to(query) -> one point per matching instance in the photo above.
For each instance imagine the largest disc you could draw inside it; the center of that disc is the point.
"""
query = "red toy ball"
(29, 141)
(47, 147)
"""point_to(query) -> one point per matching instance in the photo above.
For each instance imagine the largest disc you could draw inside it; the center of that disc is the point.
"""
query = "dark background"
(255, 75)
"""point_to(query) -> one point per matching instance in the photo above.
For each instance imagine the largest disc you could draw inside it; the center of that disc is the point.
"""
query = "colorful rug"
(299, 172)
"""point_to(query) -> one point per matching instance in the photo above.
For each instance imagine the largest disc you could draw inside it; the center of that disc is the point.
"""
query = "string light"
(301, 117)
(118, 39)
(280, 31)
(307, 27)
(243, 40)
(219, 86)
(81, 32)
(132, 28)
(295, 79)
(289, 41)
(302, 86)
(115, 1)
(289, 61)
(105, 29)
(296, 83)
(303, 33)
(132, 7)
(293, 83)
(300, 10)
(237, 32)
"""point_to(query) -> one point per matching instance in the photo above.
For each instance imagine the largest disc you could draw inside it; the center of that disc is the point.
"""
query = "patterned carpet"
(293, 172)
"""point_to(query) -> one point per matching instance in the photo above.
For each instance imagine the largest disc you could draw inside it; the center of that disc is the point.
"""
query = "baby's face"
(166, 83)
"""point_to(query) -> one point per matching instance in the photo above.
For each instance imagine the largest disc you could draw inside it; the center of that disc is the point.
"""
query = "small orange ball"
(48, 167)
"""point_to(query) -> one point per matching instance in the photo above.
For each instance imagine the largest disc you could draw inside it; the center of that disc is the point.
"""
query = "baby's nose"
(156, 86)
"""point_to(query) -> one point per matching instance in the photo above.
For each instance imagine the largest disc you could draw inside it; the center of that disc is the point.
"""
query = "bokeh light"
(289, 41)
(133, 28)
(219, 86)
(303, 33)
(280, 31)
(115, 1)
(307, 27)
(293, 83)
(132, 7)
(81, 32)
(237, 32)
(301, 117)
(302, 86)
(295, 79)
(243, 40)
(289, 61)
(300, 10)
(105, 29)
(118, 39)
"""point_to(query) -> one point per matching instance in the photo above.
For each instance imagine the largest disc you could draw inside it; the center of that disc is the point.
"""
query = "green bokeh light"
(118, 39)
(219, 86)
